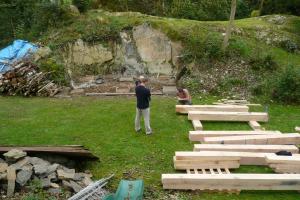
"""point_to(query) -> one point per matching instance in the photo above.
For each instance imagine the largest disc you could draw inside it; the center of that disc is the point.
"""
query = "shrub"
(263, 63)
(255, 13)
(56, 71)
(287, 87)
(237, 48)
(289, 45)
(82, 5)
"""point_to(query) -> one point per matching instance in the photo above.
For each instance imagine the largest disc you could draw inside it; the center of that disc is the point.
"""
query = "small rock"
(23, 177)
(40, 169)
(87, 181)
(52, 176)
(45, 182)
(79, 176)
(3, 167)
(66, 173)
(75, 186)
(2, 161)
(18, 165)
(54, 185)
(37, 161)
(14, 155)
(66, 184)
(54, 191)
(3, 176)
(52, 168)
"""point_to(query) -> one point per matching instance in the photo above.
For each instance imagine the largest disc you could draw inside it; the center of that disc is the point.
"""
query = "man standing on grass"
(143, 97)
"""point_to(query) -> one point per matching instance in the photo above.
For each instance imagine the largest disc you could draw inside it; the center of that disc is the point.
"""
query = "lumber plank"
(184, 109)
(197, 125)
(297, 129)
(254, 125)
(292, 160)
(246, 148)
(227, 116)
(201, 164)
(199, 135)
(291, 138)
(244, 158)
(11, 181)
(68, 150)
(231, 181)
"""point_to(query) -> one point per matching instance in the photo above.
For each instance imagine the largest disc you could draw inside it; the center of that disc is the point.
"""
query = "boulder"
(66, 173)
(40, 169)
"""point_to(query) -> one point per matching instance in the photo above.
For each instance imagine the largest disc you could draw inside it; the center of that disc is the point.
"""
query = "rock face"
(155, 49)
(82, 54)
(141, 50)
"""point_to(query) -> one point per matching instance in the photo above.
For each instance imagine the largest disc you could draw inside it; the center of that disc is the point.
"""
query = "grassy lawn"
(105, 126)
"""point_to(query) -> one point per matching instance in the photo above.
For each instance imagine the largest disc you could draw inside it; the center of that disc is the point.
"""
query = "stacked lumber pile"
(207, 167)
(18, 169)
(26, 80)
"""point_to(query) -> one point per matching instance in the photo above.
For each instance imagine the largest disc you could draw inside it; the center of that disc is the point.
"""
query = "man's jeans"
(146, 115)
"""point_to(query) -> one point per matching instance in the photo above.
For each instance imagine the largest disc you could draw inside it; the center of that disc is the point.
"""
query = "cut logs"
(246, 148)
(184, 109)
(227, 116)
(291, 138)
(199, 135)
(231, 181)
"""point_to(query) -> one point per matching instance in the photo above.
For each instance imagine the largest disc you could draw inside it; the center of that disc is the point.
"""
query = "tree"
(261, 5)
(230, 24)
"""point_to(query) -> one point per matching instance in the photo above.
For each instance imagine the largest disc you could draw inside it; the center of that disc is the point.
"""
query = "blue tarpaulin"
(17, 51)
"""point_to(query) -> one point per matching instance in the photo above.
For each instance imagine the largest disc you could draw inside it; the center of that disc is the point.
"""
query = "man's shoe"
(149, 133)
(138, 131)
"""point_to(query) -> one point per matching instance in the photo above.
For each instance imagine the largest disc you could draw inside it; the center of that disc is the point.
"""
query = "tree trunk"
(261, 6)
(230, 24)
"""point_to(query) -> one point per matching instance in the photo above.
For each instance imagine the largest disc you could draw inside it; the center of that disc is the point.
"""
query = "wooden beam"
(197, 125)
(245, 158)
(199, 135)
(297, 129)
(184, 109)
(274, 159)
(68, 150)
(254, 125)
(291, 138)
(231, 181)
(246, 148)
(227, 116)
(205, 164)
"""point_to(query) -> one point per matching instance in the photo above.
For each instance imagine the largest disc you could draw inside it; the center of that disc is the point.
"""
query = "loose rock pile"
(25, 79)
(18, 170)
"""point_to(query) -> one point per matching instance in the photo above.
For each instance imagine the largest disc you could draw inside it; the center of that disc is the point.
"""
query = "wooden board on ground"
(227, 116)
(291, 138)
(231, 181)
(68, 150)
(246, 158)
(184, 109)
(297, 129)
(254, 125)
(274, 159)
(199, 135)
(197, 125)
(246, 148)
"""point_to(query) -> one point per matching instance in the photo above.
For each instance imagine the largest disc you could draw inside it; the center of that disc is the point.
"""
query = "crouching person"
(184, 97)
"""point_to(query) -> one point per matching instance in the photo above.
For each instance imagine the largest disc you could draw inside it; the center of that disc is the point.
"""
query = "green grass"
(105, 126)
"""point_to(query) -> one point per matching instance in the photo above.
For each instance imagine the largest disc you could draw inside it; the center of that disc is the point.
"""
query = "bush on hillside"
(82, 5)
(287, 86)
(263, 63)
(289, 45)
(255, 13)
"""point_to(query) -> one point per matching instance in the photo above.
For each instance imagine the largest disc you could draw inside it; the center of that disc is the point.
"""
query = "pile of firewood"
(25, 79)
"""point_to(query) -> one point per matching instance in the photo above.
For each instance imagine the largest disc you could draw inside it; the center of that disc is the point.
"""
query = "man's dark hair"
(137, 82)
(180, 89)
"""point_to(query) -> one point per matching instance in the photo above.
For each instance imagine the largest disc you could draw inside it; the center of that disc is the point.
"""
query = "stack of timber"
(284, 164)
(26, 80)
(235, 102)
(278, 139)
(246, 148)
(184, 109)
(200, 135)
(231, 181)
